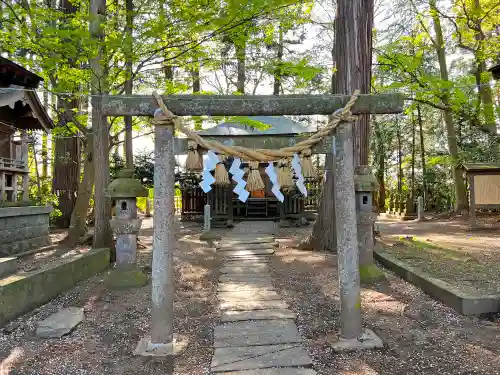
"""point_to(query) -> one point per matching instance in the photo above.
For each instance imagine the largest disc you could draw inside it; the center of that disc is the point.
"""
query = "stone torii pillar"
(162, 341)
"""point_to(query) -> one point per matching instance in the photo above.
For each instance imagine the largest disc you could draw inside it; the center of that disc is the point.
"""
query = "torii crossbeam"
(162, 341)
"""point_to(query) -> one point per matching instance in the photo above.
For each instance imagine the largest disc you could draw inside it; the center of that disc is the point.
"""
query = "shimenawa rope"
(165, 117)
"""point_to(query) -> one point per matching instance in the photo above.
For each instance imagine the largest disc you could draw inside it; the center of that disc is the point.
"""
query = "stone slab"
(61, 323)
(239, 258)
(274, 371)
(245, 270)
(245, 278)
(23, 291)
(253, 246)
(239, 253)
(460, 301)
(259, 357)
(235, 316)
(247, 296)
(260, 332)
(246, 239)
(245, 262)
(8, 266)
(253, 305)
(249, 286)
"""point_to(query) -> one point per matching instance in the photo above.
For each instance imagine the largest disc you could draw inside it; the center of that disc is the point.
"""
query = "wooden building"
(20, 111)
(274, 132)
(495, 71)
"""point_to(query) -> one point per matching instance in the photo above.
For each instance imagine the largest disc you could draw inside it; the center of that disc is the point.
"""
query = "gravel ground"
(421, 336)
(116, 320)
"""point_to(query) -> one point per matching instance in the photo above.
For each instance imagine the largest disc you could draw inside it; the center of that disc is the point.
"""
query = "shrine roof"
(267, 125)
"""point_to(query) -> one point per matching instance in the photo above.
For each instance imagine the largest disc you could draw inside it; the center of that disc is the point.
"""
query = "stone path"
(257, 334)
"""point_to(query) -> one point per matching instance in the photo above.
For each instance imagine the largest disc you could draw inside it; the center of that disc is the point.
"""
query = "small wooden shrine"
(272, 133)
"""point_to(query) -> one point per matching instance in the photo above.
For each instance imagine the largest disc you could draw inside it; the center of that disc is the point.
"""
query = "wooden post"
(229, 198)
(24, 158)
(472, 203)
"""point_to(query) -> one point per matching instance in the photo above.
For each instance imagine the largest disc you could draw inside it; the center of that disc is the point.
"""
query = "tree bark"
(460, 193)
(66, 177)
(364, 79)
(241, 57)
(323, 233)
(278, 71)
(422, 155)
(400, 162)
(129, 150)
(78, 226)
(102, 206)
(413, 134)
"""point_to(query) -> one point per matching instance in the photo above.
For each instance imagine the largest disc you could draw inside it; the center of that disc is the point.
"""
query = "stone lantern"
(125, 224)
(365, 184)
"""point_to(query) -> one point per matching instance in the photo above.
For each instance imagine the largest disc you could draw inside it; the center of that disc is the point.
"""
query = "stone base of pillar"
(173, 349)
(131, 278)
(368, 340)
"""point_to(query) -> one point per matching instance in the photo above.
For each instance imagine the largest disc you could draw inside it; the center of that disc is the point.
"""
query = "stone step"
(239, 253)
(259, 332)
(248, 296)
(245, 286)
(252, 305)
(245, 262)
(259, 357)
(8, 266)
(235, 316)
(245, 270)
(274, 371)
(245, 278)
(247, 239)
(239, 258)
(254, 246)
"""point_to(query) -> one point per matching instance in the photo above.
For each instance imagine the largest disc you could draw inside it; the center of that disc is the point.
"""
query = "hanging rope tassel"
(194, 160)
(307, 164)
(221, 175)
(254, 181)
(285, 176)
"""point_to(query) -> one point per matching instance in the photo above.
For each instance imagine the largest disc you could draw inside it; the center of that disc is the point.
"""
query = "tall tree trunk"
(241, 57)
(78, 224)
(323, 232)
(102, 207)
(45, 152)
(380, 161)
(129, 150)
(422, 154)
(400, 162)
(413, 134)
(483, 79)
(278, 71)
(195, 75)
(460, 193)
(66, 173)
(66, 177)
(364, 79)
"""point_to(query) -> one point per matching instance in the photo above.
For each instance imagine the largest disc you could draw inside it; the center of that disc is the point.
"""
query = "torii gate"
(162, 342)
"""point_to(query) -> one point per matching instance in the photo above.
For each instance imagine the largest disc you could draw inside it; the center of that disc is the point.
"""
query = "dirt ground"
(115, 321)
(421, 335)
(448, 250)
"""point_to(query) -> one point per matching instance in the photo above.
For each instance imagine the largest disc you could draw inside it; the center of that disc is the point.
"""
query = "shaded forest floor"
(448, 250)
(422, 336)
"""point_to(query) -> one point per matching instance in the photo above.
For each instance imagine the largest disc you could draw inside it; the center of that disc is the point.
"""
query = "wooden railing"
(12, 163)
